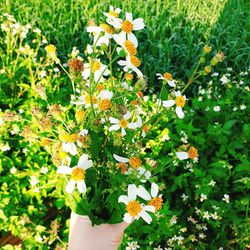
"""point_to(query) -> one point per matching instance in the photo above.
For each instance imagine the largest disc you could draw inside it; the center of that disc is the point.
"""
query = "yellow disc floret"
(104, 104)
(123, 123)
(193, 153)
(96, 66)
(130, 47)
(180, 101)
(127, 26)
(78, 174)
(107, 28)
(113, 13)
(51, 49)
(135, 61)
(167, 76)
(134, 208)
(157, 202)
(135, 162)
(88, 99)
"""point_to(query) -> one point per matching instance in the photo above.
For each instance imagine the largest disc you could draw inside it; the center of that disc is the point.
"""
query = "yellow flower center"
(135, 61)
(157, 202)
(180, 101)
(113, 13)
(107, 28)
(88, 99)
(135, 162)
(134, 208)
(62, 155)
(129, 76)
(127, 26)
(193, 152)
(80, 115)
(123, 123)
(96, 66)
(145, 128)
(100, 87)
(44, 142)
(104, 104)
(167, 76)
(78, 174)
(51, 49)
(130, 47)
(68, 138)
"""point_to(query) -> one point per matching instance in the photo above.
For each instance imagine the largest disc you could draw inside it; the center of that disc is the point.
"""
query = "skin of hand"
(84, 236)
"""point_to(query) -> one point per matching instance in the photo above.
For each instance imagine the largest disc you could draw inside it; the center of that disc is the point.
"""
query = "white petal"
(124, 199)
(127, 218)
(132, 192)
(132, 125)
(179, 112)
(106, 94)
(113, 120)
(127, 115)
(168, 103)
(64, 170)
(81, 186)
(119, 38)
(94, 29)
(138, 24)
(171, 83)
(182, 155)
(86, 73)
(84, 132)
(123, 132)
(70, 186)
(178, 93)
(129, 16)
(139, 121)
(154, 190)
(133, 39)
(149, 208)
(143, 193)
(114, 127)
(145, 216)
(122, 62)
(120, 159)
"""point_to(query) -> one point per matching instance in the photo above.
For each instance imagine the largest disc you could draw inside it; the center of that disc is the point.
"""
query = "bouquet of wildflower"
(97, 142)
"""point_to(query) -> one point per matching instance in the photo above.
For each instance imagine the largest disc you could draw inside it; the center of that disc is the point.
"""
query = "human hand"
(84, 236)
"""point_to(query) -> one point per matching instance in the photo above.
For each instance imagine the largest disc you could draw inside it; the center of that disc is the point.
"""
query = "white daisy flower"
(134, 208)
(131, 63)
(134, 163)
(192, 153)
(105, 100)
(127, 45)
(179, 102)
(153, 198)
(113, 13)
(127, 26)
(77, 174)
(105, 29)
(86, 101)
(98, 69)
(122, 124)
(166, 77)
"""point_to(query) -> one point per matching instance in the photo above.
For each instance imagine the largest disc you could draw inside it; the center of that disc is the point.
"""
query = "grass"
(176, 29)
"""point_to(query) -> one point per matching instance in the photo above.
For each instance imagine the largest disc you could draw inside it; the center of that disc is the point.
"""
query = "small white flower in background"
(243, 106)
(173, 220)
(33, 181)
(134, 208)
(217, 108)
(179, 102)
(206, 215)
(215, 74)
(42, 74)
(184, 197)
(203, 197)
(56, 70)
(44, 170)
(158, 248)
(13, 170)
(15, 130)
(97, 68)
(166, 77)
(202, 236)
(77, 174)
(226, 198)
(127, 26)
(112, 13)
(36, 30)
(2, 71)
(212, 183)
(224, 80)
(4, 147)
(214, 216)
(122, 124)
(153, 198)
(132, 245)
